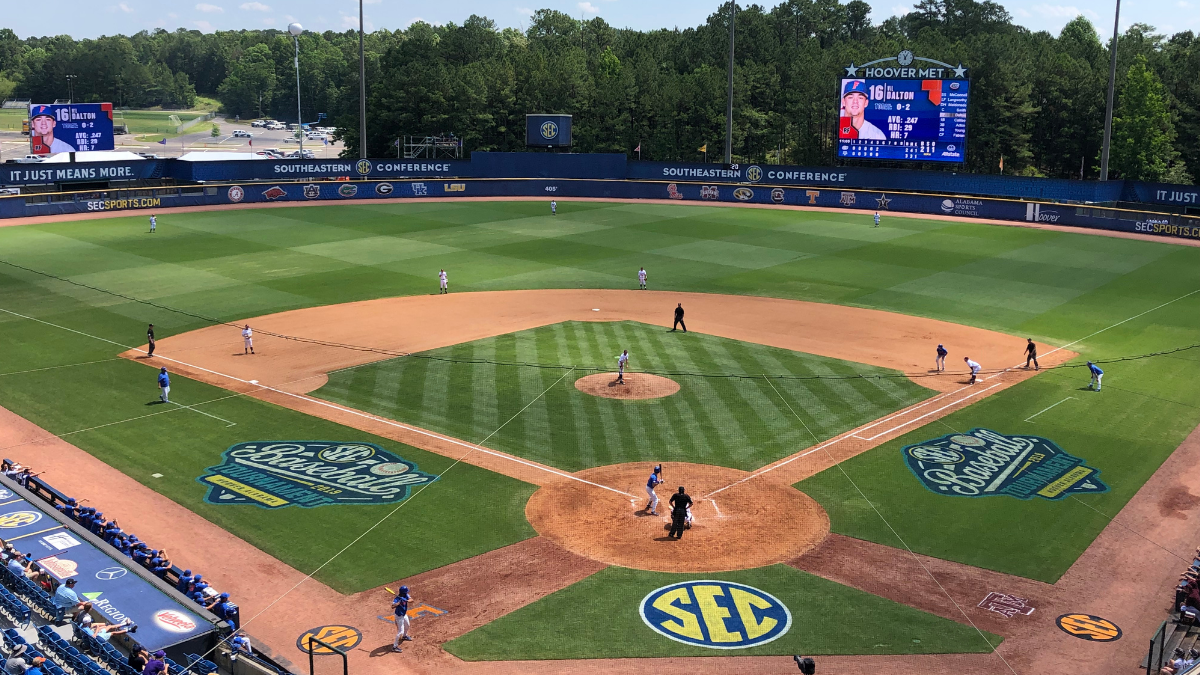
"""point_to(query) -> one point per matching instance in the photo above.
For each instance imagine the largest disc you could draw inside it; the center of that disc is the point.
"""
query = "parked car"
(27, 159)
(241, 133)
(308, 154)
(276, 126)
(316, 136)
(259, 123)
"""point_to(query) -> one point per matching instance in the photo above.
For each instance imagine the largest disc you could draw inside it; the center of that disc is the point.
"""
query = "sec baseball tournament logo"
(308, 474)
(1089, 627)
(19, 519)
(715, 614)
(549, 130)
(983, 463)
(363, 166)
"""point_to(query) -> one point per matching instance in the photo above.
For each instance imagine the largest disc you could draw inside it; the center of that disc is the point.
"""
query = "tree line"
(1037, 100)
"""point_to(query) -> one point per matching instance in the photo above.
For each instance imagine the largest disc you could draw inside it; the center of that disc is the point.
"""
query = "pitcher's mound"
(636, 386)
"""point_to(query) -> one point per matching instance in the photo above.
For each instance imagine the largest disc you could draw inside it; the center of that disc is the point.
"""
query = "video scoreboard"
(903, 114)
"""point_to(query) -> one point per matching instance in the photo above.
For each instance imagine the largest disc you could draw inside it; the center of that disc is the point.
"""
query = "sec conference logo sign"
(1089, 627)
(754, 174)
(275, 474)
(715, 614)
(363, 166)
(549, 130)
(339, 637)
(983, 463)
(19, 519)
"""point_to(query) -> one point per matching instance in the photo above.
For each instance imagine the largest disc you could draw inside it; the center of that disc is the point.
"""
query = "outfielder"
(553, 208)
(642, 278)
(876, 219)
(621, 361)
(400, 608)
(1096, 375)
(655, 481)
(975, 367)
(247, 340)
(445, 285)
(940, 361)
(153, 223)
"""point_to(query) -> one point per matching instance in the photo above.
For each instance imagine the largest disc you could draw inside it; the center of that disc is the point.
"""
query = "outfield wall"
(157, 199)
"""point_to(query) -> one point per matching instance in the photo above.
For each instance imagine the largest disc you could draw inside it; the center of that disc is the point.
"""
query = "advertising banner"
(548, 131)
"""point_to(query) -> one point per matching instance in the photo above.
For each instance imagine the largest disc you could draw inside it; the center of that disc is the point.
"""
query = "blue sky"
(92, 18)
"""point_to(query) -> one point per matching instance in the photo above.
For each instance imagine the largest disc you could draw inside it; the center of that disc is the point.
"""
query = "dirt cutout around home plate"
(753, 524)
(636, 386)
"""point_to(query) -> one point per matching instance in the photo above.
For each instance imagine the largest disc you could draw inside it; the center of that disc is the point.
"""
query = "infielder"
(247, 340)
(655, 481)
(153, 223)
(164, 385)
(642, 278)
(940, 361)
(1096, 375)
(400, 608)
(553, 208)
(975, 367)
(876, 219)
(445, 284)
(621, 361)
(1031, 355)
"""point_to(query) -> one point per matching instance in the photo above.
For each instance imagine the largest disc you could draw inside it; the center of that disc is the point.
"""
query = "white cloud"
(255, 7)
(350, 21)
(1059, 11)
(900, 10)
(1183, 4)
(125, 8)
(1022, 12)
(204, 26)
(205, 7)
(524, 10)
(269, 21)
(588, 8)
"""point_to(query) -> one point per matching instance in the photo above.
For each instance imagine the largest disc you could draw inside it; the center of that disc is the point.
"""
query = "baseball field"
(829, 462)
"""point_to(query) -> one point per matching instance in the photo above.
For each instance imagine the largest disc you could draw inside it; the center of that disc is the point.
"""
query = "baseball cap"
(224, 596)
(40, 110)
(856, 87)
(70, 582)
(159, 654)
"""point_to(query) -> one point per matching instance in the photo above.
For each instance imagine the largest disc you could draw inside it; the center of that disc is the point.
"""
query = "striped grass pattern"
(470, 389)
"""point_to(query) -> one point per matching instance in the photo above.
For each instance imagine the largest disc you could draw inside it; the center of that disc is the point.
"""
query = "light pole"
(71, 88)
(1112, 85)
(296, 29)
(362, 88)
(729, 102)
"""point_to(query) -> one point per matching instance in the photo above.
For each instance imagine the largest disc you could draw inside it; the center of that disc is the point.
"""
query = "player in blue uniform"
(1096, 375)
(400, 608)
(940, 361)
(653, 482)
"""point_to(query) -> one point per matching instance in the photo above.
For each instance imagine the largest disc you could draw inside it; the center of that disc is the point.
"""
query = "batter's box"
(1007, 605)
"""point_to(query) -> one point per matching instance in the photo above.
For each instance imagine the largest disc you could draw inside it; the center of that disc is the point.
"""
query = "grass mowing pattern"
(598, 618)
(1052, 286)
(739, 423)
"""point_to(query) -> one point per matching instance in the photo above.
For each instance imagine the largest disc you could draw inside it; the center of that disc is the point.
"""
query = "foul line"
(227, 422)
(327, 404)
(1045, 409)
(66, 365)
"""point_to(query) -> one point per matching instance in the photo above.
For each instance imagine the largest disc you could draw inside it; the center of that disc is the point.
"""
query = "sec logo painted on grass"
(19, 519)
(1089, 627)
(715, 614)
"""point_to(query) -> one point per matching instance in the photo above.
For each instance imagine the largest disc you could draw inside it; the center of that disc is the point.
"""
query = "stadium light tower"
(296, 29)
(71, 88)
(1112, 85)
(362, 88)
(729, 103)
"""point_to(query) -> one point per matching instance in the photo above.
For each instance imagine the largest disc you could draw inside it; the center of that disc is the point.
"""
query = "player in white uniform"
(247, 340)
(621, 361)
(653, 482)
(975, 367)
(445, 285)
(876, 219)
(642, 278)
(153, 223)
(553, 208)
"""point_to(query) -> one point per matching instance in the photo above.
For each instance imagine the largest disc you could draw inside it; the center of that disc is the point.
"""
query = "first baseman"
(621, 361)
(642, 278)
(400, 608)
(445, 284)
(247, 340)
(940, 361)
(974, 368)
(655, 481)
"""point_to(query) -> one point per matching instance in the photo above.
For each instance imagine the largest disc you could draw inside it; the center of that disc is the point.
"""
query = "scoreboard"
(70, 127)
(903, 119)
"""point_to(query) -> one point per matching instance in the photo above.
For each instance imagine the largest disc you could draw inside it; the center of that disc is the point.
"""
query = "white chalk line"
(1048, 408)
(327, 404)
(227, 422)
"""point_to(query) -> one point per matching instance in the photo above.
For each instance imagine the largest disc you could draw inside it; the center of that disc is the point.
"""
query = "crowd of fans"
(1187, 603)
(158, 561)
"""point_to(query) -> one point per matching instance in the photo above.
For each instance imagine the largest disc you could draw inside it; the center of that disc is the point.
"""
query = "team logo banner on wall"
(982, 463)
(275, 474)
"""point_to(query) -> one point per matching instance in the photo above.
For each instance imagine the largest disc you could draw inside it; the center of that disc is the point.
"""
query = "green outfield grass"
(598, 618)
(742, 422)
(1053, 286)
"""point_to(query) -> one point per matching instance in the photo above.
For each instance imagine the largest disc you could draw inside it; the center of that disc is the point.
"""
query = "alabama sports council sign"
(983, 463)
(715, 614)
(275, 474)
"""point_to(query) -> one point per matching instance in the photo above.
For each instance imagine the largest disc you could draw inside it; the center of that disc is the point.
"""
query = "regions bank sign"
(275, 474)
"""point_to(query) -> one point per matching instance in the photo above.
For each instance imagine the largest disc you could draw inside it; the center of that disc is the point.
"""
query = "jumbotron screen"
(918, 120)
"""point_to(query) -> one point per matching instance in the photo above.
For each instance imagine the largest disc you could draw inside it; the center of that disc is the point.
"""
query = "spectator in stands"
(11, 469)
(156, 665)
(44, 580)
(16, 663)
(185, 582)
(104, 631)
(36, 668)
(17, 564)
(1177, 664)
(138, 657)
(65, 600)
(83, 618)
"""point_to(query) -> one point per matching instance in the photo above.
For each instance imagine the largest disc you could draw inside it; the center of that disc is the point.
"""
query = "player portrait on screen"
(853, 122)
(41, 138)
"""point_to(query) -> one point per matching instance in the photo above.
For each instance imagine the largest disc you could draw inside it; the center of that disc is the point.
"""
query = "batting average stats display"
(913, 110)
